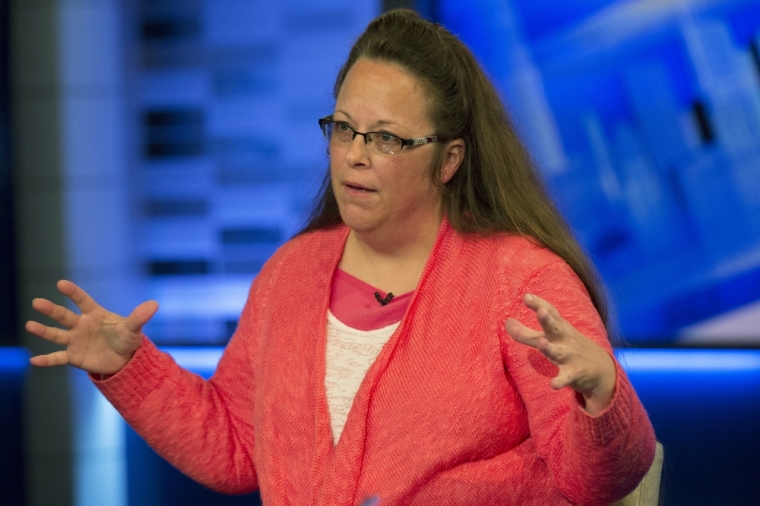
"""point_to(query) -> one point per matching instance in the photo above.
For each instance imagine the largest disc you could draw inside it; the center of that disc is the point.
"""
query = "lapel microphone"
(383, 301)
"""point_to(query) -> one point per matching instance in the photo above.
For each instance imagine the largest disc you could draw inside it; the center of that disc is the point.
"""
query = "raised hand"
(583, 365)
(97, 340)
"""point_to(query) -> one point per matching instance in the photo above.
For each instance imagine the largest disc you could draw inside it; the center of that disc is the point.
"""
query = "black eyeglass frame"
(418, 141)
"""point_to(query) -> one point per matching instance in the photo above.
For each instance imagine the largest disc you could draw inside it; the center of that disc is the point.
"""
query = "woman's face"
(384, 193)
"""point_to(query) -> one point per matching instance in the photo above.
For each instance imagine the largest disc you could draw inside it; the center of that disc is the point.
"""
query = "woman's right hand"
(98, 341)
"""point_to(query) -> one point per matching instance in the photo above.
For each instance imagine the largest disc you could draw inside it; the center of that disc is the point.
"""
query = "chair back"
(647, 493)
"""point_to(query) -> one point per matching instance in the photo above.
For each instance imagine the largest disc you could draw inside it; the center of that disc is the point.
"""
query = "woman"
(372, 357)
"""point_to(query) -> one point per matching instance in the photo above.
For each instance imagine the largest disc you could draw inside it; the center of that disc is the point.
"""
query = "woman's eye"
(386, 137)
(343, 127)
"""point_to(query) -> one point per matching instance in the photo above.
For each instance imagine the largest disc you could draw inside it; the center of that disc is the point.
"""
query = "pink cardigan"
(453, 411)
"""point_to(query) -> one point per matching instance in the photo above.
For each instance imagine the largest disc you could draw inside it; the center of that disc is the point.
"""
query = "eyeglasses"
(383, 143)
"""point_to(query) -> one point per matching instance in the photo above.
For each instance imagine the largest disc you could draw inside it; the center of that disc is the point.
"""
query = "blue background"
(643, 117)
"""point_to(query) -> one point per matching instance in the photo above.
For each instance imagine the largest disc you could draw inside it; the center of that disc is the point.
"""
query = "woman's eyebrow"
(377, 124)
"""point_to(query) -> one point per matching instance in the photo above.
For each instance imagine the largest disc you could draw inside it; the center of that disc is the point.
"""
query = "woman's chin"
(360, 226)
(359, 219)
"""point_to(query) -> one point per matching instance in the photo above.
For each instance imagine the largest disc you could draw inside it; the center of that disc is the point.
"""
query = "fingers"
(582, 364)
(561, 380)
(534, 339)
(51, 334)
(140, 315)
(63, 315)
(523, 334)
(547, 315)
(554, 352)
(78, 296)
(548, 341)
(60, 314)
(51, 359)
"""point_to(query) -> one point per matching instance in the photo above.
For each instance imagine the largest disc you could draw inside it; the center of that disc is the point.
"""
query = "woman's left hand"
(583, 365)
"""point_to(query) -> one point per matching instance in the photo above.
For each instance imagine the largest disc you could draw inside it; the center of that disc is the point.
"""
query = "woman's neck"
(392, 264)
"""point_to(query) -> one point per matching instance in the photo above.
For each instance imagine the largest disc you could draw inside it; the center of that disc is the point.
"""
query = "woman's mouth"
(357, 188)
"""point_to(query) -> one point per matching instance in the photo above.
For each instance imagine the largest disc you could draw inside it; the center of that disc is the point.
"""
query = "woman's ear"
(453, 156)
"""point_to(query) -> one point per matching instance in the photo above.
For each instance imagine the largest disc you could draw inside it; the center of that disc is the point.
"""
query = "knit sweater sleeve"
(204, 428)
(592, 459)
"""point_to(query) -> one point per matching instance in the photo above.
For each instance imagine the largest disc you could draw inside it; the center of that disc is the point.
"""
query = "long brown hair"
(497, 187)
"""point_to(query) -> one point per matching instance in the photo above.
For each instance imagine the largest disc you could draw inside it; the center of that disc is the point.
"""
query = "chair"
(647, 493)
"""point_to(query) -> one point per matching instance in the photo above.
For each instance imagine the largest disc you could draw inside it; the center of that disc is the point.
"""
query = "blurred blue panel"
(179, 267)
(176, 207)
(744, 19)
(705, 408)
(187, 330)
(13, 366)
(543, 18)
(13, 361)
(251, 235)
(162, 28)
(201, 361)
(655, 110)
(228, 94)
(256, 146)
(315, 18)
(230, 82)
(174, 132)
(683, 363)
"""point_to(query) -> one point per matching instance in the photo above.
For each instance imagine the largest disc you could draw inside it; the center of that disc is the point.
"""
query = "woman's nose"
(358, 151)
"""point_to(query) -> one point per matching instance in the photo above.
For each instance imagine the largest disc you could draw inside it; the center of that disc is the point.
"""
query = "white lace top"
(350, 353)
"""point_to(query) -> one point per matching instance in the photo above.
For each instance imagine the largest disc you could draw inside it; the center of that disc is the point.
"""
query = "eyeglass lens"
(381, 142)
